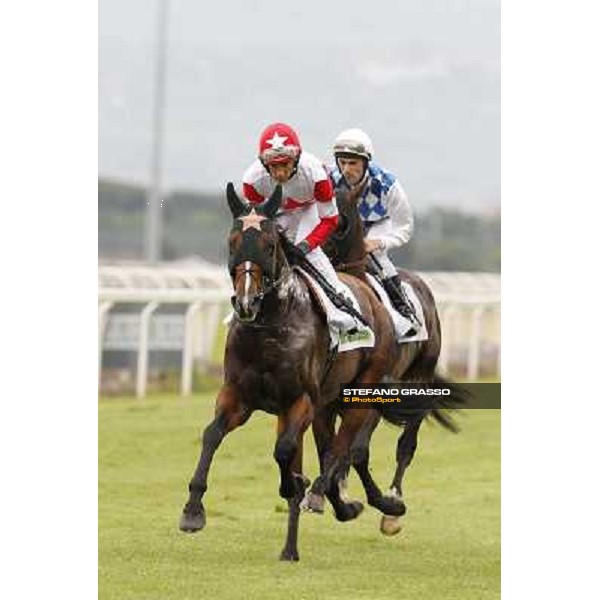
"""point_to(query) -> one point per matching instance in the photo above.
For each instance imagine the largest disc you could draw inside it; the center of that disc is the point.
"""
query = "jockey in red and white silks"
(308, 213)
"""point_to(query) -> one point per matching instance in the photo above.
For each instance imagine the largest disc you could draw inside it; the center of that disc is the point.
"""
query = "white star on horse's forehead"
(277, 141)
(252, 219)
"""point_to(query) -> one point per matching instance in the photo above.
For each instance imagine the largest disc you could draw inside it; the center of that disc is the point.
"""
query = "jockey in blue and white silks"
(383, 205)
(384, 209)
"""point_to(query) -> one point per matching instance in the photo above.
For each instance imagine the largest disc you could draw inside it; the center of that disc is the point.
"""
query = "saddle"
(402, 324)
(344, 341)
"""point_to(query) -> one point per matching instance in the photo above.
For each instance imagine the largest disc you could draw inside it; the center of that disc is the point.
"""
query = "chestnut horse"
(412, 362)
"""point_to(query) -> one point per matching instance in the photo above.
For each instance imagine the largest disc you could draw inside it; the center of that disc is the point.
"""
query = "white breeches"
(297, 226)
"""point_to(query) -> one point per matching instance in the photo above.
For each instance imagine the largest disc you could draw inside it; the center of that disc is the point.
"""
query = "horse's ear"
(236, 206)
(271, 206)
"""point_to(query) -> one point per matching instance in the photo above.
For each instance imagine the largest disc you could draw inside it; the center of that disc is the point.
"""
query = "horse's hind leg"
(229, 414)
(405, 450)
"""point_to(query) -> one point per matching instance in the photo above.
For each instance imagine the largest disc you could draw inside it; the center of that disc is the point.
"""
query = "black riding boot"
(401, 303)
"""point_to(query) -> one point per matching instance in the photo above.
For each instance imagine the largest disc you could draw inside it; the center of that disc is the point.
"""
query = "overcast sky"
(422, 77)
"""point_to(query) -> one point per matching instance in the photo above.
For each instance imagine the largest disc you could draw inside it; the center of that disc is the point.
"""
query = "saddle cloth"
(402, 324)
(364, 336)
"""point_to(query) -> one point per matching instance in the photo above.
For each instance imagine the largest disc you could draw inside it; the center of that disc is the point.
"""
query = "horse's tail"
(459, 397)
(436, 407)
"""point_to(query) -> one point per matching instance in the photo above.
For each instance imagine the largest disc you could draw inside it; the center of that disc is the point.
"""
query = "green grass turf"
(448, 549)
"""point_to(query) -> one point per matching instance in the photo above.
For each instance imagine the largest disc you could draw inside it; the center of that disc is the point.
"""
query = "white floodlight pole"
(153, 229)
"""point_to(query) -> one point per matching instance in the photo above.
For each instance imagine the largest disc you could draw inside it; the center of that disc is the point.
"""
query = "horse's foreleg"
(336, 465)
(288, 454)
(290, 427)
(323, 428)
(290, 550)
(359, 449)
(359, 456)
(405, 450)
(230, 413)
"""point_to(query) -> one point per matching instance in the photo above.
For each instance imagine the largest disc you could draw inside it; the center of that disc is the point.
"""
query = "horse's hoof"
(390, 525)
(390, 505)
(289, 555)
(313, 503)
(190, 523)
(349, 511)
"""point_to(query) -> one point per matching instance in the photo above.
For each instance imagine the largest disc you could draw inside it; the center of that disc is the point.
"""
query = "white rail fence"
(132, 301)
(462, 321)
(193, 333)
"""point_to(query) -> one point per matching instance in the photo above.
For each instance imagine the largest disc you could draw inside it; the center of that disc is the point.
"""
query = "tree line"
(197, 223)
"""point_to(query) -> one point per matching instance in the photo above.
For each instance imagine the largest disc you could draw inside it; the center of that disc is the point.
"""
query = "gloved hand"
(303, 247)
(298, 251)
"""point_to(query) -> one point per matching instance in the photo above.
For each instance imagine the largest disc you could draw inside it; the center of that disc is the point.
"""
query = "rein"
(351, 265)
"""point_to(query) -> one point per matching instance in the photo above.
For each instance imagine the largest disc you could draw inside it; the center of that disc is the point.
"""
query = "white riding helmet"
(354, 142)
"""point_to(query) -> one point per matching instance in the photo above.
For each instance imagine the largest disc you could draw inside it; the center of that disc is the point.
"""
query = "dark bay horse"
(277, 360)
(408, 362)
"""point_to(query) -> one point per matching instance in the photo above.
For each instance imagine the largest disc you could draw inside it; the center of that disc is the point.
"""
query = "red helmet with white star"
(278, 143)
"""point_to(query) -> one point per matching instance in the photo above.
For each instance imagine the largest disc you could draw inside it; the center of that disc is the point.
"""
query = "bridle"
(341, 234)
(250, 252)
(269, 281)
(269, 284)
